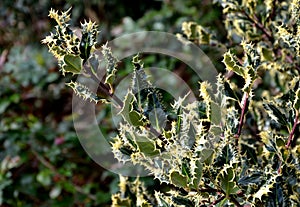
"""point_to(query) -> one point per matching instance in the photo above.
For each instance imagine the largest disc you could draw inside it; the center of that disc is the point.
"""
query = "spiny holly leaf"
(178, 179)
(277, 197)
(85, 47)
(61, 19)
(160, 200)
(185, 169)
(275, 113)
(88, 40)
(92, 65)
(140, 86)
(249, 150)
(267, 139)
(155, 112)
(249, 79)
(127, 105)
(125, 150)
(133, 193)
(205, 106)
(85, 93)
(71, 51)
(196, 169)
(204, 94)
(111, 67)
(196, 33)
(148, 100)
(254, 178)
(63, 41)
(202, 110)
(72, 64)
(205, 154)
(232, 120)
(227, 156)
(226, 179)
(296, 103)
(264, 190)
(232, 64)
(146, 145)
(117, 201)
(246, 71)
(252, 57)
(136, 119)
(130, 115)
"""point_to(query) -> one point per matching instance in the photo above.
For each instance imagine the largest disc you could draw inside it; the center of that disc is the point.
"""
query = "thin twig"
(273, 12)
(293, 131)
(259, 25)
(279, 167)
(3, 58)
(106, 90)
(244, 108)
(46, 163)
(290, 60)
(63, 178)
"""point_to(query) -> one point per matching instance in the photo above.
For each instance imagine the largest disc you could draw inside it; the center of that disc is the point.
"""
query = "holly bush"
(246, 155)
(42, 162)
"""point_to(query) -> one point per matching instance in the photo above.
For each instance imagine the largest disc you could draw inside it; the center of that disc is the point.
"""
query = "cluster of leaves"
(42, 162)
(41, 158)
(251, 156)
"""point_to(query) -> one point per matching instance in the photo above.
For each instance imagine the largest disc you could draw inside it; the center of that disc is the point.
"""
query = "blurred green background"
(41, 160)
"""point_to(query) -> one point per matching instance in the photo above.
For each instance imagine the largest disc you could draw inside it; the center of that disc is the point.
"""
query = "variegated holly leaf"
(72, 64)
(85, 93)
(226, 180)
(132, 116)
(177, 179)
(111, 65)
(275, 113)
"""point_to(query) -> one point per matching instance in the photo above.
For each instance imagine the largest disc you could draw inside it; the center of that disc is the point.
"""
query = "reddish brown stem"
(279, 168)
(244, 109)
(292, 132)
(259, 25)
(106, 91)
